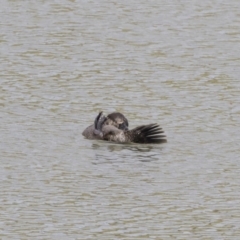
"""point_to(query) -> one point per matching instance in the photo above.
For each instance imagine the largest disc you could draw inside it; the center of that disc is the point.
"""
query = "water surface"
(175, 63)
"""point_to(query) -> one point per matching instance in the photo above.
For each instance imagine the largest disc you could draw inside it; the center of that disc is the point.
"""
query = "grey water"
(176, 63)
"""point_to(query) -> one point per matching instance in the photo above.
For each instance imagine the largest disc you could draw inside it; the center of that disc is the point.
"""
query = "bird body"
(115, 129)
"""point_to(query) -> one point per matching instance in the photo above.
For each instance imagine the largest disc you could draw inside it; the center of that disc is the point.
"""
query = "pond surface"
(175, 63)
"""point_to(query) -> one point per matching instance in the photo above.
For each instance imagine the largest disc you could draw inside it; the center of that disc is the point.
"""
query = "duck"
(114, 128)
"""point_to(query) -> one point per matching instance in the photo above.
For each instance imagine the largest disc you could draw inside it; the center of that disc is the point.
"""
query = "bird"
(114, 128)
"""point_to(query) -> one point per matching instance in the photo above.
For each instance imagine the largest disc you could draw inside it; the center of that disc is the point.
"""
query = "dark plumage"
(151, 133)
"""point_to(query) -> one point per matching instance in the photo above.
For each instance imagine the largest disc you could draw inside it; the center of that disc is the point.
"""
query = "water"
(175, 63)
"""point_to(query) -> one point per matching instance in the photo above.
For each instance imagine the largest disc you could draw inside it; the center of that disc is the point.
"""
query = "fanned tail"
(98, 124)
(99, 121)
(151, 133)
